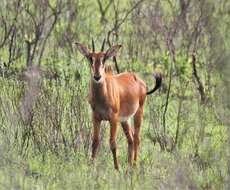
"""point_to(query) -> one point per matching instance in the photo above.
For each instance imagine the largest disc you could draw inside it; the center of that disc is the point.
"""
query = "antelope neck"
(98, 87)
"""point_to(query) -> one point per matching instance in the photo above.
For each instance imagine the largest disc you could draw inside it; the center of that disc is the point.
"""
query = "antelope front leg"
(113, 144)
(96, 132)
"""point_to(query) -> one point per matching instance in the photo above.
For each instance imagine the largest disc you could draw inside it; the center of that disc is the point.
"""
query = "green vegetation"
(46, 129)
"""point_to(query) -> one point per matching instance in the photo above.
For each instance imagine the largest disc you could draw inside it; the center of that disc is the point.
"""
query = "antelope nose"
(97, 78)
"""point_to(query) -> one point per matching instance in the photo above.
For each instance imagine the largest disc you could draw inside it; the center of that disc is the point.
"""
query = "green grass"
(50, 148)
(154, 170)
(53, 151)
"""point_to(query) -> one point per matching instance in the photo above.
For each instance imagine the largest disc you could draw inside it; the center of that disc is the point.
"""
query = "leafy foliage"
(45, 131)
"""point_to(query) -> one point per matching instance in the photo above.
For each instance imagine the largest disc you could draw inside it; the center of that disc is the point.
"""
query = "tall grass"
(50, 148)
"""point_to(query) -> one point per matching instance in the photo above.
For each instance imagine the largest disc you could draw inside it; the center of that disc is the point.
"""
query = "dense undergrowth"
(51, 150)
(45, 119)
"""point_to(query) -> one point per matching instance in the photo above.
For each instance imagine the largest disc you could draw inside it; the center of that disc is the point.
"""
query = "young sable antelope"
(115, 98)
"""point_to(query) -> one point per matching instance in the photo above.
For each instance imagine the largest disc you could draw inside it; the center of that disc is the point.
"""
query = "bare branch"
(102, 10)
(128, 13)
(6, 33)
(8, 30)
(117, 25)
(55, 13)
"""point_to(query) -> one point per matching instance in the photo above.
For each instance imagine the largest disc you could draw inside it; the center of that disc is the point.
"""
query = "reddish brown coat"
(115, 98)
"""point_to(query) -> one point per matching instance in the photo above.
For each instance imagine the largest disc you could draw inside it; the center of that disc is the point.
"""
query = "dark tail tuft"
(158, 78)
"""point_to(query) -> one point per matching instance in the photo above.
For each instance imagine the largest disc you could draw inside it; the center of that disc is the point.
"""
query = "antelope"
(115, 98)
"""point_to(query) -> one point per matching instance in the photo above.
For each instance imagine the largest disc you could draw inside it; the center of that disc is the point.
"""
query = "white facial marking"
(93, 60)
(102, 69)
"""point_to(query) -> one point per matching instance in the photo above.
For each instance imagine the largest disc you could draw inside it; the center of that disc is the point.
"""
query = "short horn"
(103, 45)
(93, 47)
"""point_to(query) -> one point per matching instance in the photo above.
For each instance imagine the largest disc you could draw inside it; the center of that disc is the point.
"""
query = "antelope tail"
(158, 78)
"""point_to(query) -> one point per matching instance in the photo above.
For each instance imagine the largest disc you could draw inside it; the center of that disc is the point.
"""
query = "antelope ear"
(83, 49)
(112, 51)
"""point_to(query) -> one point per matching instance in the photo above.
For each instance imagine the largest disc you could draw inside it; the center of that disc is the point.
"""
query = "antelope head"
(97, 59)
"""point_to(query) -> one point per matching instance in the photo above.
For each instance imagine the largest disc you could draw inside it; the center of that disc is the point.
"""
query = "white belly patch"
(124, 118)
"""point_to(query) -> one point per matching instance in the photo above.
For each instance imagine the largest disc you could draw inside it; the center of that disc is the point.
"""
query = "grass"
(45, 125)
(71, 168)
(155, 170)
(51, 150)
